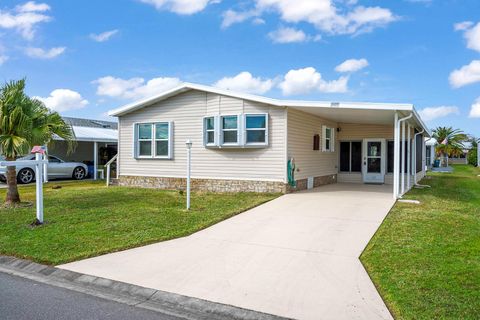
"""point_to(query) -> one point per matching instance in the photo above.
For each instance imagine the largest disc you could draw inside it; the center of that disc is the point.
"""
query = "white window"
(256, 129)
(328, 141)
(153, 140)
(229, 130)
(210, 132)
(144, 134)
(243, 130)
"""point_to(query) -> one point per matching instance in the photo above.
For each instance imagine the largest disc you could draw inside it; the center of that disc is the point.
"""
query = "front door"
(373, 161)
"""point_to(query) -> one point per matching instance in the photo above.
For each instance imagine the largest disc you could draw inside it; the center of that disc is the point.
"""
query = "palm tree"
(25, 122)
(450, 141)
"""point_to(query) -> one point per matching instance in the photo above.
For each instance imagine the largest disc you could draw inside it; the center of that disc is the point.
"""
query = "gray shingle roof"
(91, 123)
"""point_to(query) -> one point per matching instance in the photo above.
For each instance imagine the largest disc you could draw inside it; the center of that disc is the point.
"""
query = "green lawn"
(86, 219)
(425, 259)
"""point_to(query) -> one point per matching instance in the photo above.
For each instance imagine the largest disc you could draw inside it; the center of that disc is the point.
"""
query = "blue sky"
(84, 58)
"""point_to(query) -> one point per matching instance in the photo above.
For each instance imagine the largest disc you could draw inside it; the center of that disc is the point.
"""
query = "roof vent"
(335, 104)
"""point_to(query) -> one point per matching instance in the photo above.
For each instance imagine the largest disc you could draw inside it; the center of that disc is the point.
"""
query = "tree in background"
(25, 122)
(450, 142)
(472, 156)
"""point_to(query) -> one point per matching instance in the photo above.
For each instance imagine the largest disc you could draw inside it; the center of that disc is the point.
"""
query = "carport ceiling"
(344, 115)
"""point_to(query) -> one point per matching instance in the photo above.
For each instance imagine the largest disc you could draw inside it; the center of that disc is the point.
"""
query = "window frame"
(245, 130)
(214, 130)
(153, 140)
(331, 139)
(222, 130)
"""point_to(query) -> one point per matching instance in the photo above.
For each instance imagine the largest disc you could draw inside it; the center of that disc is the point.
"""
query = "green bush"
(472, 157)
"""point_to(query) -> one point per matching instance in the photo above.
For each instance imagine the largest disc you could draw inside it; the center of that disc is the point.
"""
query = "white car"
(57, 168)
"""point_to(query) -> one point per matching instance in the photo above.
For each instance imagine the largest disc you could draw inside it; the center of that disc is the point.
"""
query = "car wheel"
(79, 173)
(25, 176)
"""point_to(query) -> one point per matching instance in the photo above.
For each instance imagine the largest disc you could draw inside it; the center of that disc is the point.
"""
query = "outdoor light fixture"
(188, 143)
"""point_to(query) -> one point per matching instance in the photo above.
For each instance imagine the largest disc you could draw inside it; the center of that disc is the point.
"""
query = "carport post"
(396, 151)
(402, 190)
(409, 156)
(95, 156)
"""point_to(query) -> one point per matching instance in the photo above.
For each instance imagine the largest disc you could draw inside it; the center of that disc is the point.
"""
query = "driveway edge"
(137, 296)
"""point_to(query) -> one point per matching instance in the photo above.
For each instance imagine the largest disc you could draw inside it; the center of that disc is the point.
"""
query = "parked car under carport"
(57, 169)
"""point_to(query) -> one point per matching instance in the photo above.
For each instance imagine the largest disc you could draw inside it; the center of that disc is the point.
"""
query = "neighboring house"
(430, 145)
(96, 143)
(243, 142)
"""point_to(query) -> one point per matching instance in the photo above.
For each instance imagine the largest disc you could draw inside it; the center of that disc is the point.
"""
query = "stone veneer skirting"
(302, 184)
(221, 185)
(210, 185)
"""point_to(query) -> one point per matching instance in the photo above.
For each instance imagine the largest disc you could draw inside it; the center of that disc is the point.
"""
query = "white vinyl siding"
(302, 127)
(187, 111)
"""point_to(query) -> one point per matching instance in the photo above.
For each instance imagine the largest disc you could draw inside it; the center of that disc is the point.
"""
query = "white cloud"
(426, 2)
(64, 100)
(232, 17)
(325, 15)
(475, 110)
(245, 82)
(104, 36)
(471, 33)
(40, 53)
(3, 59)
(432, 113)
(365, 19)
(465, 75)
(352, 65)
(306, 80)
(258, 21)
(134, 88)
(290, 35)
(461, 26)
(472, 36)
(24, 18)
(184, 7)
(32, 6)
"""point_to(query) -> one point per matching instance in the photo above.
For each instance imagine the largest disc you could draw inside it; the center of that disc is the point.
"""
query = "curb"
(168, 303)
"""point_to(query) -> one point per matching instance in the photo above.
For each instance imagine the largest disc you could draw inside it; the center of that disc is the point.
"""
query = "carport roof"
(93, 130)
(347, 112)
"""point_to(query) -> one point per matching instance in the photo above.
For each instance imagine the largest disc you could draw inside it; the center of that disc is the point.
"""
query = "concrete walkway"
(296, 256)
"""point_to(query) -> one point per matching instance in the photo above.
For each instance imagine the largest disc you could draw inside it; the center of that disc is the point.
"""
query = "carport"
(96, 143)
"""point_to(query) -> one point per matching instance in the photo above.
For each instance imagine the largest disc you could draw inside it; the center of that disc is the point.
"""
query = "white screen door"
(374, 160)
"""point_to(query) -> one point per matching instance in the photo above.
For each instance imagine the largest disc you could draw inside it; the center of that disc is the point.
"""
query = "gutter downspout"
(396, 177)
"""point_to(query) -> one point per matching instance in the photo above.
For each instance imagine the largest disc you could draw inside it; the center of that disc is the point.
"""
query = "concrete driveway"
(296, 256)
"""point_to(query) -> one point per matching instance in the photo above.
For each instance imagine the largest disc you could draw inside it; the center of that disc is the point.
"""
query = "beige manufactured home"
(243, 142)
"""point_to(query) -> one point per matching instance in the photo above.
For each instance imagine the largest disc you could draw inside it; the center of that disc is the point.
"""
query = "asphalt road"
(23, 299)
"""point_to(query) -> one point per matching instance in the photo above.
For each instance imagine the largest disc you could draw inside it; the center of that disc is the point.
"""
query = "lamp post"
(188, 143)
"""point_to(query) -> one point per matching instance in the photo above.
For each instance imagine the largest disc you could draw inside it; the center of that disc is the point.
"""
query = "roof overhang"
(347, 112)
(88, 134)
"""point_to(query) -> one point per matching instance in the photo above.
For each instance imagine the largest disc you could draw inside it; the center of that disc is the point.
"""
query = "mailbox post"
(39, 163)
